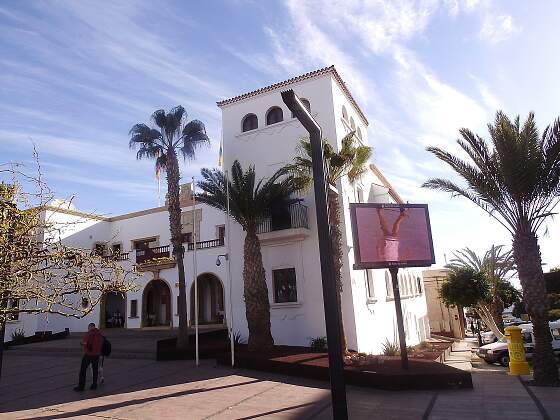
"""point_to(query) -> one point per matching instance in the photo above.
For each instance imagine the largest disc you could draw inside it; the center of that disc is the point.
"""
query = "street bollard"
(517, 362)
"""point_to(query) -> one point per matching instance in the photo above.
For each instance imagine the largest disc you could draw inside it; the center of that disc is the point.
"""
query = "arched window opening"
(344, 113)
(359, 133)
(305, 103)
(274, 115)
(250, 122)
(352, 124)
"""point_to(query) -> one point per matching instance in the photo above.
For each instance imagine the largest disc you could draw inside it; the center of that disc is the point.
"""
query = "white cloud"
(496, 29)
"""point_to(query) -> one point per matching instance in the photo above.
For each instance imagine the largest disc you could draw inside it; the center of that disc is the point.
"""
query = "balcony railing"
(295, 216)
(213, 243)
(146, 254)
(120, 256)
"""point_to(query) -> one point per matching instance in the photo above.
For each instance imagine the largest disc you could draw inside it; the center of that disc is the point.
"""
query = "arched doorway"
(113, 310)
(210, 300)
(156, 304)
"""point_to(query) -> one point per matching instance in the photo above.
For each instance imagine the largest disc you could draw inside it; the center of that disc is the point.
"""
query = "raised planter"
(38, 337)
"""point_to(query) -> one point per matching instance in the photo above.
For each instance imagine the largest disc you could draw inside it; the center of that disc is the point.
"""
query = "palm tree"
(350, 161)
(250, 203)
(498, 266)
(173, 136)
(517, 183)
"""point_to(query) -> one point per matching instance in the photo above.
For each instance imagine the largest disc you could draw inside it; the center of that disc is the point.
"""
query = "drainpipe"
(336, 363)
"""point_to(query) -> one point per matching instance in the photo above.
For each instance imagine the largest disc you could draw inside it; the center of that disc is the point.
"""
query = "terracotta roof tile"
(311, 74)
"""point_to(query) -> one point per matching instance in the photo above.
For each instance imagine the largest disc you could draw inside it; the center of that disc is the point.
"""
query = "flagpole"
(195, 276)
(229, 279)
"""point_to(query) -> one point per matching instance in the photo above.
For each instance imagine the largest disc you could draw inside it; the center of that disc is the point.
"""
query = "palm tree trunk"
(257, 306)
(2, 332)
(174, 207)
(528, 259)
(497, 310)
(337, 255)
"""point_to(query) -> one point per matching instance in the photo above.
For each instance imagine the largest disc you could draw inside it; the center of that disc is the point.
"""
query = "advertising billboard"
(391, 235)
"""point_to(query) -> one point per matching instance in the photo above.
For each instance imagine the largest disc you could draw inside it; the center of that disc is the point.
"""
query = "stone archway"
(112, 310)
(156, 304)
(210, 300)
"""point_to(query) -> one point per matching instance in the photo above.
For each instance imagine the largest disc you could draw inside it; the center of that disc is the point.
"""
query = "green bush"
(390, 349)
(318, 344)
(18, 334)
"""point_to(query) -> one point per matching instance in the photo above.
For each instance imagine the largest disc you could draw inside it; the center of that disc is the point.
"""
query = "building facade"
(258, 130)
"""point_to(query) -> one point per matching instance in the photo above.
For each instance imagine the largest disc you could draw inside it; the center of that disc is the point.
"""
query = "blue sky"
(76, 75)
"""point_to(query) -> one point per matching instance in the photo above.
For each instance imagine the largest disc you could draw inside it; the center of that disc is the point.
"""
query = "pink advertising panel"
(391, 235)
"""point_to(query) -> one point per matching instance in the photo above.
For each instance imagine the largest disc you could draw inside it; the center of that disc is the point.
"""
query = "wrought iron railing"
(295, 216)
(213, 243)
(146, 254)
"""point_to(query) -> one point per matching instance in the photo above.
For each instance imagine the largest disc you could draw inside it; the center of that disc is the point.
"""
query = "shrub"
(390, 349)
(318, 344)
(18, 334)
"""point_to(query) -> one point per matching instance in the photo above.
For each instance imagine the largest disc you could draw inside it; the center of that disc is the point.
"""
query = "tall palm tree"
(171, 136)
(250, 203)
(517, 183)
(350, 161)
(498, 266)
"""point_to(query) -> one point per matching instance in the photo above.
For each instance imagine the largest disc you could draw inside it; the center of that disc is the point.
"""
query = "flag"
(221, 153)
(158, 167)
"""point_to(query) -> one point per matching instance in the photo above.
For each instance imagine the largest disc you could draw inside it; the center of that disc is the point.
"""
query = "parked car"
(498, 351)
(488, 337)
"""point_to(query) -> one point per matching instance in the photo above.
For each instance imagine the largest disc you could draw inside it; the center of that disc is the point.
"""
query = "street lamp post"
(336, 363)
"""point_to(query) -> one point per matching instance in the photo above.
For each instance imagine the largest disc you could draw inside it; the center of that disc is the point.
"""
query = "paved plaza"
(36, 385)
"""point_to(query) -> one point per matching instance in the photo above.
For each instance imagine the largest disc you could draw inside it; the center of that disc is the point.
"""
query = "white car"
(498, 351)
(488, 337)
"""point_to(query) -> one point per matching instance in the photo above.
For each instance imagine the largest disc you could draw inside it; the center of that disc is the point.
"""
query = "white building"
(258, 130)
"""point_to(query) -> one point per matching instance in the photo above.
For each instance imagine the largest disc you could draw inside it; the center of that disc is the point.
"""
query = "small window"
(352, 124)
(344, 113)
(359, 133)
(187, 237)
(555, 333)
(388, 284)
(274, 115)
(305, 103)
(85, 302)
(419, 284)
(13, 304)
(221, 233)
(369, 285)
(134, 308)
(250, 122)
(117, 249)
(99, 249)
(285, 289)
(144, 243)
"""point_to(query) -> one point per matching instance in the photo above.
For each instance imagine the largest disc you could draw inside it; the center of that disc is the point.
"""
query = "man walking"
(92, 342)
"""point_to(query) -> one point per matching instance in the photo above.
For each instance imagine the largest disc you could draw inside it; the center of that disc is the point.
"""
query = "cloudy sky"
(76, 75)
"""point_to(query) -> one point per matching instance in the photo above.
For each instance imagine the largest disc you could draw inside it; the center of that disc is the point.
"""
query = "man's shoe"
(93, 386)
(78, 388)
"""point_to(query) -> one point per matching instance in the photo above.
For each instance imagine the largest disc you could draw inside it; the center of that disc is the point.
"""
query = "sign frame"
(358, 265)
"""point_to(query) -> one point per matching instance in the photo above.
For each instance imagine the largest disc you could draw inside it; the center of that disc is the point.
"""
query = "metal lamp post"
(336, 363)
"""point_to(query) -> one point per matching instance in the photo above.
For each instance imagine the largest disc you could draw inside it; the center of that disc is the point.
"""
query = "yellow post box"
(517, 362)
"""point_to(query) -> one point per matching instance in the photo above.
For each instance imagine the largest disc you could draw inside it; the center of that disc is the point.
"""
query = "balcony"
(213, 243)
(286, 224)
(120, 256)
(147, 254)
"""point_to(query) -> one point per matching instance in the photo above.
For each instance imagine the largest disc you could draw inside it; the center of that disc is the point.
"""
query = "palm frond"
(194, 136)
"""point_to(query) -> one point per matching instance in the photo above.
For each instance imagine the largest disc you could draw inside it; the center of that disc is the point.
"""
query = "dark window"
(369, 284)
(274, 115)
(134, 308)
(85, 302)
(419, 282)
(306, 104)
(99, 249)
(221, 233)
(187, 237)
(13, 304)
(144, 243)
(116, 249)
(285, 289)
(250, 122)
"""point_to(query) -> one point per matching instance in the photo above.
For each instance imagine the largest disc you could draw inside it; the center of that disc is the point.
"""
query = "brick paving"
(39, 386)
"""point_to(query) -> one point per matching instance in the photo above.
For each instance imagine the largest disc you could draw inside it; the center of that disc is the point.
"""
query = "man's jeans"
(86, 360)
